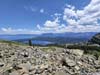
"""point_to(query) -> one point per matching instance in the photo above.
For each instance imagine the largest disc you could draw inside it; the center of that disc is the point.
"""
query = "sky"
(49, 16)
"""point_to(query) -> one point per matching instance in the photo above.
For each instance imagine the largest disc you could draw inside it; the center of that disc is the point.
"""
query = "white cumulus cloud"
(85, 20)
(10, 30)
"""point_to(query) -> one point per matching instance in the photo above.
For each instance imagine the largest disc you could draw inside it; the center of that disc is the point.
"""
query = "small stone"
(77, 68)
(12, 53)
(1, 55)
(96, 62)
(14, 73)
(38, 71)
(1, 64)
(69, 71)
(44, 66)
(60, 73)
(97, 66)
(79, 63)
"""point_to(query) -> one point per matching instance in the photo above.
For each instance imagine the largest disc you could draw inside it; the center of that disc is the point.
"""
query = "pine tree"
(30, 43)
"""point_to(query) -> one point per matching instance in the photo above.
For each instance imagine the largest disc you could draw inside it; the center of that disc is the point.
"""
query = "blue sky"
(45, 16)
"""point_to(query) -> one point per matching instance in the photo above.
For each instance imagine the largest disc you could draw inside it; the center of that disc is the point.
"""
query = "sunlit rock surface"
(26, 60)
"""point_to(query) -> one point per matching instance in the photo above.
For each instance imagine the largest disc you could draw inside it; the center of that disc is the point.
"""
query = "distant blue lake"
(40, 42)
(17, 37)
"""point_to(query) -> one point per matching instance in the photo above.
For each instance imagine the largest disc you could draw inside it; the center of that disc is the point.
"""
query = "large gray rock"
(70, 62)
(25, 53)
(77, 52)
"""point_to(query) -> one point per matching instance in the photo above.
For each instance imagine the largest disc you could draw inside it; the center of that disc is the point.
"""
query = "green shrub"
(88, 49)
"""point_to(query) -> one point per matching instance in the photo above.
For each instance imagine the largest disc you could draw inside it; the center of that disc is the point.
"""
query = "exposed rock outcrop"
(26, 60)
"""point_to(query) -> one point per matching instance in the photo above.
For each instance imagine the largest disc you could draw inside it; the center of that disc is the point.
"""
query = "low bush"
(88, 49)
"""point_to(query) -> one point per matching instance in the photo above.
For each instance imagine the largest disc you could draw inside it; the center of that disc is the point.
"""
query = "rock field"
(27, 60)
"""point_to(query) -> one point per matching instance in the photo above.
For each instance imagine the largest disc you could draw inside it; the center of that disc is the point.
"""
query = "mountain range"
(58, 38)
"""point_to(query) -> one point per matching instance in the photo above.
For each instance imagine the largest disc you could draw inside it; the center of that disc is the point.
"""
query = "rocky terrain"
(27, 60)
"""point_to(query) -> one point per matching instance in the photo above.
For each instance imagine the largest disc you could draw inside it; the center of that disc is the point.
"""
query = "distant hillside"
(65, 37)
(12, 42)
(96, 39)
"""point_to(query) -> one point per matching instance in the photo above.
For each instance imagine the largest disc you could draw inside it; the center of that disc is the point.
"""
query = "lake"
(24, 39)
